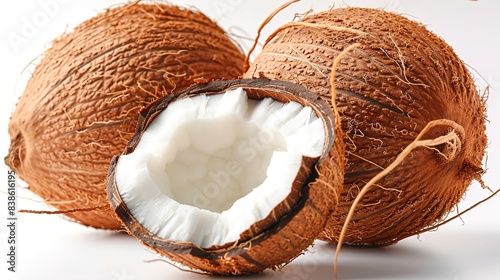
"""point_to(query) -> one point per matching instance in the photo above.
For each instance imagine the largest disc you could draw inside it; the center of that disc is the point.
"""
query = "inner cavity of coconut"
(208, 167)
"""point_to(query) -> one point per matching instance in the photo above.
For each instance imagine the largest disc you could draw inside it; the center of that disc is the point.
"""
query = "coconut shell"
(400, 77)
(81, 105)
(289, 229)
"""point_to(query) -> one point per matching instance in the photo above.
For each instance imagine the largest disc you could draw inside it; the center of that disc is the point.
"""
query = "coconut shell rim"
(216, 87)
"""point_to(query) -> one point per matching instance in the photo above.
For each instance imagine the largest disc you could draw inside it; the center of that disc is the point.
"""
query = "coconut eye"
(225, 168)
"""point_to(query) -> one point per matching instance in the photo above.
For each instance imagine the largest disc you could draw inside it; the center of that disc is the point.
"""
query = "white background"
(50, 247)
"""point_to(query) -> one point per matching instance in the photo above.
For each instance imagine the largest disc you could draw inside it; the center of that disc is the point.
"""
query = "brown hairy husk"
(81, 105)
(399, 78)
(292, 226)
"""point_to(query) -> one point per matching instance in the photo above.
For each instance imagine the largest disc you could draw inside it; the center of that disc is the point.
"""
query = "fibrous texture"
(397, 79)
(81, 105)
(230, 177)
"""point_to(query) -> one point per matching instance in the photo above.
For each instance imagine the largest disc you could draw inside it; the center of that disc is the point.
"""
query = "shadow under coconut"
(450, 256)
(354, 263)
(396, 262)
(293, 271)
(430, 258)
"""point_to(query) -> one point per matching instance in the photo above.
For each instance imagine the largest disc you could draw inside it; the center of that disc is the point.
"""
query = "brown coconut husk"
(81, 104)
(398, 78)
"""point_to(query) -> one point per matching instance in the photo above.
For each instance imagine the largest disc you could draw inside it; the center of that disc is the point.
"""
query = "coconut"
(230, 177)
(80, 106)
(397, 78)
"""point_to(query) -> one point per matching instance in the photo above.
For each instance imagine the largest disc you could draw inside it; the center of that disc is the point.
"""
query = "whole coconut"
(81, 105)
(399, 78)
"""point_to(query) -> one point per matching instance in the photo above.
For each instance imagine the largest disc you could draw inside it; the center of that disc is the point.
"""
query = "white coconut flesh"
(208, 167)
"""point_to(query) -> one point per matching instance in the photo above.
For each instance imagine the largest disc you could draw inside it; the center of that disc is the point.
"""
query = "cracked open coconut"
(230, 177)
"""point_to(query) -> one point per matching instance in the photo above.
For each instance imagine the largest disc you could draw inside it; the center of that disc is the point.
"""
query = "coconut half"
(226, 177)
